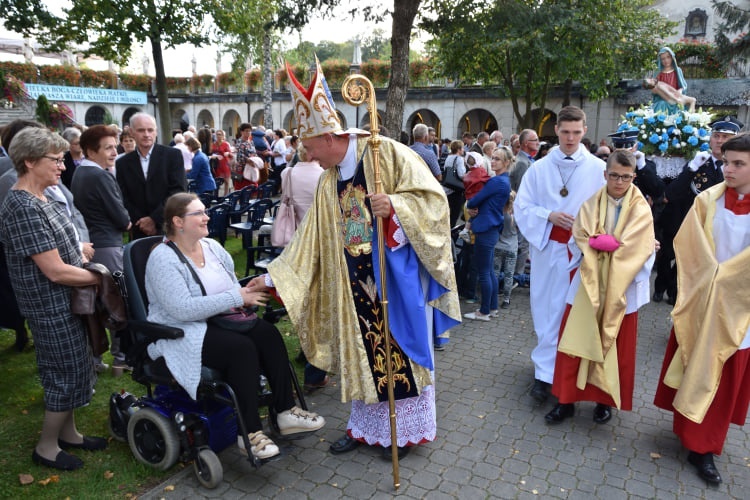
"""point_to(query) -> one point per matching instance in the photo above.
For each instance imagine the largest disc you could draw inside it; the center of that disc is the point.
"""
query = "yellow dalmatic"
(312, 278)
(599, 305)
(711, 315)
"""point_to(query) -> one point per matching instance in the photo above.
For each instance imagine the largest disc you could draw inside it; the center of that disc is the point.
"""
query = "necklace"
(564, 190)
(200, 261)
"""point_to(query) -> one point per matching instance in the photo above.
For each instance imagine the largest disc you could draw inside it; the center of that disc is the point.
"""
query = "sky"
(178, 60)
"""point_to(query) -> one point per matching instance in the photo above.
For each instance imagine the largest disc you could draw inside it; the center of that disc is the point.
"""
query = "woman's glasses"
(196, 213)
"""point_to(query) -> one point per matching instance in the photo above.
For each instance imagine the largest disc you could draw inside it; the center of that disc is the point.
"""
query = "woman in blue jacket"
(201, 171)
(486, 210)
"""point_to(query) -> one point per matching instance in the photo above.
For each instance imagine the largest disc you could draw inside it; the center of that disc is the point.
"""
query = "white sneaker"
(477, 315)
(494, 313)
(296, 420)
(262, 447)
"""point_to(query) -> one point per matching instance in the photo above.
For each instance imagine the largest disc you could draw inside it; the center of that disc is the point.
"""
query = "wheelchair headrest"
(134, 267)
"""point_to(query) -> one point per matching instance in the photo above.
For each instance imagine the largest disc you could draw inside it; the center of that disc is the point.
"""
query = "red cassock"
(566, 368)
(729, 405)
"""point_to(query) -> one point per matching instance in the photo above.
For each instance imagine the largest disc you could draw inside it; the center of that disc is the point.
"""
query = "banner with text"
(86, 94)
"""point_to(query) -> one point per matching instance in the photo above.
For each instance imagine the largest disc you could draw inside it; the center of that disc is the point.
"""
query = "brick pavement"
(492, 442)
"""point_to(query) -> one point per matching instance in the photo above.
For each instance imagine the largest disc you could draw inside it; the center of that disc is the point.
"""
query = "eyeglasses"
(603, 157)
(58, 161)
(196, 213)
(623, 178)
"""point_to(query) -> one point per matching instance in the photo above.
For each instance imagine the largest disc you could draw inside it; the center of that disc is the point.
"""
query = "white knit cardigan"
(175, 299)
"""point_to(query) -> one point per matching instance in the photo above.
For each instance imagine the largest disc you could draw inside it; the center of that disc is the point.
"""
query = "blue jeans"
(505, 263)
(484, 256)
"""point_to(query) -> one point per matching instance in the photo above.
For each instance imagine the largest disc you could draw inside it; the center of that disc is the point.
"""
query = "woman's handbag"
(451, 179)
(285, 222)
(237, 319)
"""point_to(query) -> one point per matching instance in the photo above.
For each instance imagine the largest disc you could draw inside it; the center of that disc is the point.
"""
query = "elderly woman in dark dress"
(44, 261)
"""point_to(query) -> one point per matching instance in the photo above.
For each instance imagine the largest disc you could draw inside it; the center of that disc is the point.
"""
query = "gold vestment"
(712, 312)
(311, 274)
(599, 305)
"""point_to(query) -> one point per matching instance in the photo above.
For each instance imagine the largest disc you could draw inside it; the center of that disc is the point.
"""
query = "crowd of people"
(583, 224)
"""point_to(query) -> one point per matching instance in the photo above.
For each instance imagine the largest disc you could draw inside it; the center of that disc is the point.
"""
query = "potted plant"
(60, 74)
(252, 79)
(208, 83)
(136, 82)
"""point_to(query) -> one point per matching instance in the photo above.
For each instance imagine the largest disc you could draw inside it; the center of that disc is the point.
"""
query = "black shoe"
(505, 304)
(657, 296)
(344, 445)
(90, 443)
(704, 464)
(602, 413)
(22, 339)
(671, 299)
(63, 461)
(540, 391)
(560, 412)
(402, 452)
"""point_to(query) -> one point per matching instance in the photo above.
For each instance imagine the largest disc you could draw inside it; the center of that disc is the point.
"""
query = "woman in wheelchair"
(176, 299)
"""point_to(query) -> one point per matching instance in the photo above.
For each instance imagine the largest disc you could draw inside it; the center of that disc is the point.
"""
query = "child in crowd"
(474, 181)
(506, 251)
(613, 249)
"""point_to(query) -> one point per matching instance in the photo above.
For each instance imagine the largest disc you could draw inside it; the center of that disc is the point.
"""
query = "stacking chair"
(219, 219)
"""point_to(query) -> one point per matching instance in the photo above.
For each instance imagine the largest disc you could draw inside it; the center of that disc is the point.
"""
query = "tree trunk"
(162, 96)
(404, 12)
(267, 82)
(567, 90)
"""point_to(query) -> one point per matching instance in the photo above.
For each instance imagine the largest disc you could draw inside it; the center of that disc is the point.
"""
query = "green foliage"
(238, 30)
(526, 47)
(734, 19)
(42, 110)
(699, 59)
(22, 410)
(108, 119)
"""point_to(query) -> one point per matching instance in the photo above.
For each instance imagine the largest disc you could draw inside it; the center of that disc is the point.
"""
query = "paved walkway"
(492, 442)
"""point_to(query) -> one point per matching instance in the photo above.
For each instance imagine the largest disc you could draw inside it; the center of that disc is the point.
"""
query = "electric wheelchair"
(166, 424)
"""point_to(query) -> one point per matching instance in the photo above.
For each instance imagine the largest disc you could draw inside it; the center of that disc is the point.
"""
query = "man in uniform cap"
(699, 174)
(328, 275)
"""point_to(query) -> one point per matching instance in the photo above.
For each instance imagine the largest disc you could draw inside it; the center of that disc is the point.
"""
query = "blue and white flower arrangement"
(680, 134)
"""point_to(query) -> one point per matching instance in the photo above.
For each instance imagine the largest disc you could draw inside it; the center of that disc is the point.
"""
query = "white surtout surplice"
(537, 197)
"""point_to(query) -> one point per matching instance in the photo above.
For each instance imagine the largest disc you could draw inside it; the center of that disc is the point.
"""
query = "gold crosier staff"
(358, 89)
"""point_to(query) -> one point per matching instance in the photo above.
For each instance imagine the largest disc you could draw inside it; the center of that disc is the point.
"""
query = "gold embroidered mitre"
(313, 107)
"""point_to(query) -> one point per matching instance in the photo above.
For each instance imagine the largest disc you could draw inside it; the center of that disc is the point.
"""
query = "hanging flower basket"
(252, 79)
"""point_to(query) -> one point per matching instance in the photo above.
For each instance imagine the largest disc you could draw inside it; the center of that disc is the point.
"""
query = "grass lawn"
(112, 473)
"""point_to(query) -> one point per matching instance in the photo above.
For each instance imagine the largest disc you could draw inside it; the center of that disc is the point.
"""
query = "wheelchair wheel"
(152, 439)
(208, 468)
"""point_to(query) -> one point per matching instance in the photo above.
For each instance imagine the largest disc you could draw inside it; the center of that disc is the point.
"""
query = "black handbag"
(237, 319)
(451, 179)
